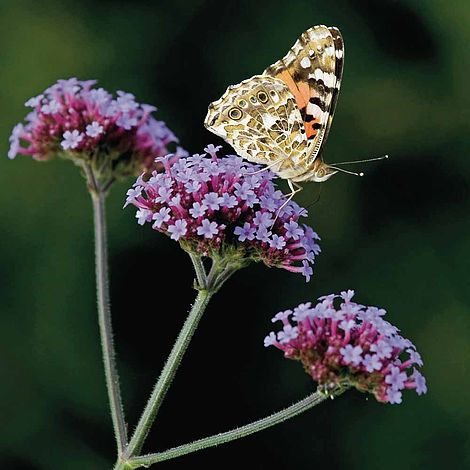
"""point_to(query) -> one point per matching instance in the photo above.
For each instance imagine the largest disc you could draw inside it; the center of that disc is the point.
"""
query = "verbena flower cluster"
(218, 205)
(351, 345)
(74, 119)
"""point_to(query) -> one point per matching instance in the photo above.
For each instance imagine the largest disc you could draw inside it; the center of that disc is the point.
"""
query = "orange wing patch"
(311, 128)
(300, 90)
(302, 94)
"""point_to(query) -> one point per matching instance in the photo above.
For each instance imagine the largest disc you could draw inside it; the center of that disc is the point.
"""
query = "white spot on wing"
(314, 110)
(329, 79)
(317, 75)
(305, 63)
(330, 51)
(269, 121)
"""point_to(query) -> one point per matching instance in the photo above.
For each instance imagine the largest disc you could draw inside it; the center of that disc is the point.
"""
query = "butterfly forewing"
(312, 69)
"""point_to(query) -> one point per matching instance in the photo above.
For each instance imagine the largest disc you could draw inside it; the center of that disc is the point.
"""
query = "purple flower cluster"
(74, 119)
(214, 206)
(351, 345)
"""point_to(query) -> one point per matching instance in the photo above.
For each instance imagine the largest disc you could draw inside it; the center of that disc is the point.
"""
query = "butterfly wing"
(312, 69)
(260, 119)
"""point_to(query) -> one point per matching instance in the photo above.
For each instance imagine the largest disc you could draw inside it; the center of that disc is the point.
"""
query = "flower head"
(75, 120)
(227, 206)
(341, 343)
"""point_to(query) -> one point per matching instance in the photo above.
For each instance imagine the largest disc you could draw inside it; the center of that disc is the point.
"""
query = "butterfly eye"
(242, 103)
(263, 97)
(321, 173)
(235, 114)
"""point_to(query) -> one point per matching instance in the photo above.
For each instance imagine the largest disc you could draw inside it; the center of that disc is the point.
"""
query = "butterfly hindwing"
(260, 119)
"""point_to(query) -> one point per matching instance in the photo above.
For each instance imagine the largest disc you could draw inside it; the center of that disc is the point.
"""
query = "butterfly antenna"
(383, 157)
(346, 171)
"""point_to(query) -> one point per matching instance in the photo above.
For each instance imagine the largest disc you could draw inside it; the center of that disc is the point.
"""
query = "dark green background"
(399, 236)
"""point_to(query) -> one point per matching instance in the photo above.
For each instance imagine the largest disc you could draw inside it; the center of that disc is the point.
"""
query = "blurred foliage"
(398, 236)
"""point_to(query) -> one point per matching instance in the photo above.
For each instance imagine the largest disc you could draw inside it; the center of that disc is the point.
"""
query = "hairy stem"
(167, 375)
(237, 433)
(104, 317)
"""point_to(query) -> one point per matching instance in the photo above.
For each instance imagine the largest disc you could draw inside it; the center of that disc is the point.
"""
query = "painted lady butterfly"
(282, 117)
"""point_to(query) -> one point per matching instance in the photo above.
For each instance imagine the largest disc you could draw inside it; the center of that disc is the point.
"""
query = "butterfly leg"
(295, 188)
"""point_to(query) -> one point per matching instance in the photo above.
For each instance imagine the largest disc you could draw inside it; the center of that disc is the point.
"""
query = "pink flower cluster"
(71, 118)
(216, 206)
(349, 346)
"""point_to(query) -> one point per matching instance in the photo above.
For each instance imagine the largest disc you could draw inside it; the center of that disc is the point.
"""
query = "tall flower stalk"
(108, 138)
(104, 315)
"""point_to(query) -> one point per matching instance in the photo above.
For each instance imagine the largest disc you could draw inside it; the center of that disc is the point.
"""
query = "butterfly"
(282, 117)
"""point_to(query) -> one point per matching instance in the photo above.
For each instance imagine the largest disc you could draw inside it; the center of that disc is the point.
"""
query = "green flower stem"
(223, 277)
(199, 270)
(104, 317)
(276, 418)
(166, 377)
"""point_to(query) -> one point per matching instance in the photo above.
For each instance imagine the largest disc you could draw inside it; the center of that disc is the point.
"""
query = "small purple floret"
(178, 229)
(71, 139)
(94, 129)
(247, 232)
(351, 354)
(208, 229)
